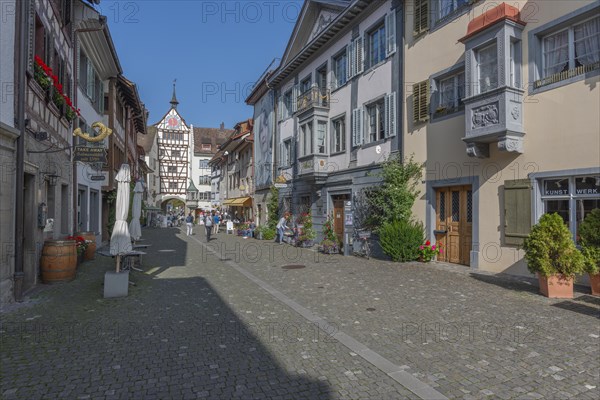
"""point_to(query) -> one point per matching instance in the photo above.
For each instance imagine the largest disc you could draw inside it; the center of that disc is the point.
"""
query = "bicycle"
(363, 235)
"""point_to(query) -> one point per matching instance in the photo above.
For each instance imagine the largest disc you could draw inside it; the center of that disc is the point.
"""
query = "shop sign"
(587, 185)
(556, 187)
(90, 155)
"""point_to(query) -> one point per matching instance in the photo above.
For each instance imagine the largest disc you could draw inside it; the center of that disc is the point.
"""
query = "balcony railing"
(314, 97)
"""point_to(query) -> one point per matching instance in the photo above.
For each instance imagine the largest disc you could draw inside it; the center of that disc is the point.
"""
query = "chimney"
(222, 126)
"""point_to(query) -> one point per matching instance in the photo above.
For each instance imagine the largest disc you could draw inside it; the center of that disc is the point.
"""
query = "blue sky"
(215, 49)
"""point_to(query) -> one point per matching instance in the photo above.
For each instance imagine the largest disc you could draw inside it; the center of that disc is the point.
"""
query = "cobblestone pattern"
(191, 328)
(467, 335)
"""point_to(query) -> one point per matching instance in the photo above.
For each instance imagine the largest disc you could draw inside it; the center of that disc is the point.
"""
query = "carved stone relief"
(485, 116)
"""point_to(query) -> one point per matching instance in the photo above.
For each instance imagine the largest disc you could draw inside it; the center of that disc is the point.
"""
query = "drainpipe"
(24, 21)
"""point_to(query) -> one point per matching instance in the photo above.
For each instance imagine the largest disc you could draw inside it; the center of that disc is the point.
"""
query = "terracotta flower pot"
(556, 286)
(595, 284)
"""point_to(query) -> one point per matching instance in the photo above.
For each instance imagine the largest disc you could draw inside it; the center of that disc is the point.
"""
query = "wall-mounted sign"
(97, 177)
(281, 185)
(103, 133)
(90, 155)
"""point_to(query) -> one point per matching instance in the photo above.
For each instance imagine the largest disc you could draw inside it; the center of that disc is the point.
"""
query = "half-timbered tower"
(173, 139)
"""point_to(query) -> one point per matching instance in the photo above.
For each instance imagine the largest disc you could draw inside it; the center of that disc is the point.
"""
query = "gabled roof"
(215, 136)
(147, 140)
(293, 61)
(132, 97)
(305, 25)
(171, 112)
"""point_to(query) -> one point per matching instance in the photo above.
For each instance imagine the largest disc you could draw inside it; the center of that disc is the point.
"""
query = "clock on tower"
(173, 122)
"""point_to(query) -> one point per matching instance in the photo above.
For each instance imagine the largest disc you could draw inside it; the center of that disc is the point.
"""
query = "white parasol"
(135, 229)
(120, 241)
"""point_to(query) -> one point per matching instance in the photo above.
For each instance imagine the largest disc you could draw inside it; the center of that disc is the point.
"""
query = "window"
(176, 153)
(286, 153)
(173, 185)
(515, 64)
(306, 139)
(340, 63)
(305, 85)
(576, 47)
(421, 101)
(447, 7)
(206, 147)
(203, 164)
(375, 122)
(339, 135)
(572, 198)
(287, 104)
(321, 141)
(376, 46)
(451, 92)
(487, 68)
(172, 169)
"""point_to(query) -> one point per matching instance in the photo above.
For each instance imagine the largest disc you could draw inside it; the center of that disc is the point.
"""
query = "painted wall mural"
(264, 119)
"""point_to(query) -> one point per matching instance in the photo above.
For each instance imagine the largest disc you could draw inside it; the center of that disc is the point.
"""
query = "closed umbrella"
(120, 241)
(135, 230)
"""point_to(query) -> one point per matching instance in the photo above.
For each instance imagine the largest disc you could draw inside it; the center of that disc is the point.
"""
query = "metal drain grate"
(371, 309)
(293, 266)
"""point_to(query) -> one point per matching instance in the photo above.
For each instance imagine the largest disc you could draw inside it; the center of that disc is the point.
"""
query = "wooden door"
(454, 220)
(338, 219)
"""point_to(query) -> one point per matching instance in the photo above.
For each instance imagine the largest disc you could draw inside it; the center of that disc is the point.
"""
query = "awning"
(242, 201)
(228, 202)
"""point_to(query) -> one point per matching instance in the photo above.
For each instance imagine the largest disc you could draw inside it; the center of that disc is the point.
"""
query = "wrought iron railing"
(314, 97)
(561, 76)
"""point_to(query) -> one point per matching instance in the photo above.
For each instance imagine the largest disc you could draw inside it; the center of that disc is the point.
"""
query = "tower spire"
(174, 101)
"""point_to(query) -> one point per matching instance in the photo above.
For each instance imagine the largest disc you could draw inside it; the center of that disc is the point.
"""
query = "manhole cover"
(371, 309)
(320, 287)
(294, 266)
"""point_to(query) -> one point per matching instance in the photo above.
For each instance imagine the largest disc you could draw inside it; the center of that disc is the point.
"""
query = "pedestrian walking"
(189, 221)
(208, 224)
(216, 221)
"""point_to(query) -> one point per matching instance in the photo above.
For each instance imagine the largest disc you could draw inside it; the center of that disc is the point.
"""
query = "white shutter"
(350, 60)
(390, 33)
(357, 127)
(295, 98)
(390, 115)
(280, 108)
(360, 55)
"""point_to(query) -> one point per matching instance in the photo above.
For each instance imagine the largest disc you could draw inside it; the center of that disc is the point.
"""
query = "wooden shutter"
(390, 115)
(421, 101)
(390, 33)
(517, 211)
(280, 108)
(421, 17)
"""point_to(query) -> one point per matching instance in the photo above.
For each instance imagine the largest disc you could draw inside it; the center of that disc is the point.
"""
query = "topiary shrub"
(589, 237)
(401, 239)
(550, 250)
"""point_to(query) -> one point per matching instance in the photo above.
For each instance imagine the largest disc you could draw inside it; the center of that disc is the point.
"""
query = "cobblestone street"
(240, 318)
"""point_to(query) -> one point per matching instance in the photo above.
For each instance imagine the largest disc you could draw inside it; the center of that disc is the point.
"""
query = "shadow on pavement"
(170, 338)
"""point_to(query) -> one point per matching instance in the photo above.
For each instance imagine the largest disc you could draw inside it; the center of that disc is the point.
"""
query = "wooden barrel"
(59, 261)
(90, 252)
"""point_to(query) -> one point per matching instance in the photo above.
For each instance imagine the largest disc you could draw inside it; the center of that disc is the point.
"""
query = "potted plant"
(82, 246)
(589, 239)
(551, 254)
(307, 233)
(268, 233)
(428, 251)
(329, 247)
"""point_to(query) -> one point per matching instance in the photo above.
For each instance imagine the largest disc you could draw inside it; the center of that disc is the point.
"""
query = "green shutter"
(517, 211)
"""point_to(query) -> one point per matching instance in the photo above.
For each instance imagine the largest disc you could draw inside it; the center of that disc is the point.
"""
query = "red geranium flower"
(427, 243)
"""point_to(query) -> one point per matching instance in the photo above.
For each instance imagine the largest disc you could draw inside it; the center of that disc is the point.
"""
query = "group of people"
(210, 220)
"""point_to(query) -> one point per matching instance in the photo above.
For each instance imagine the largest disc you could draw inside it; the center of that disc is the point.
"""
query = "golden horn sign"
(104, 132)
